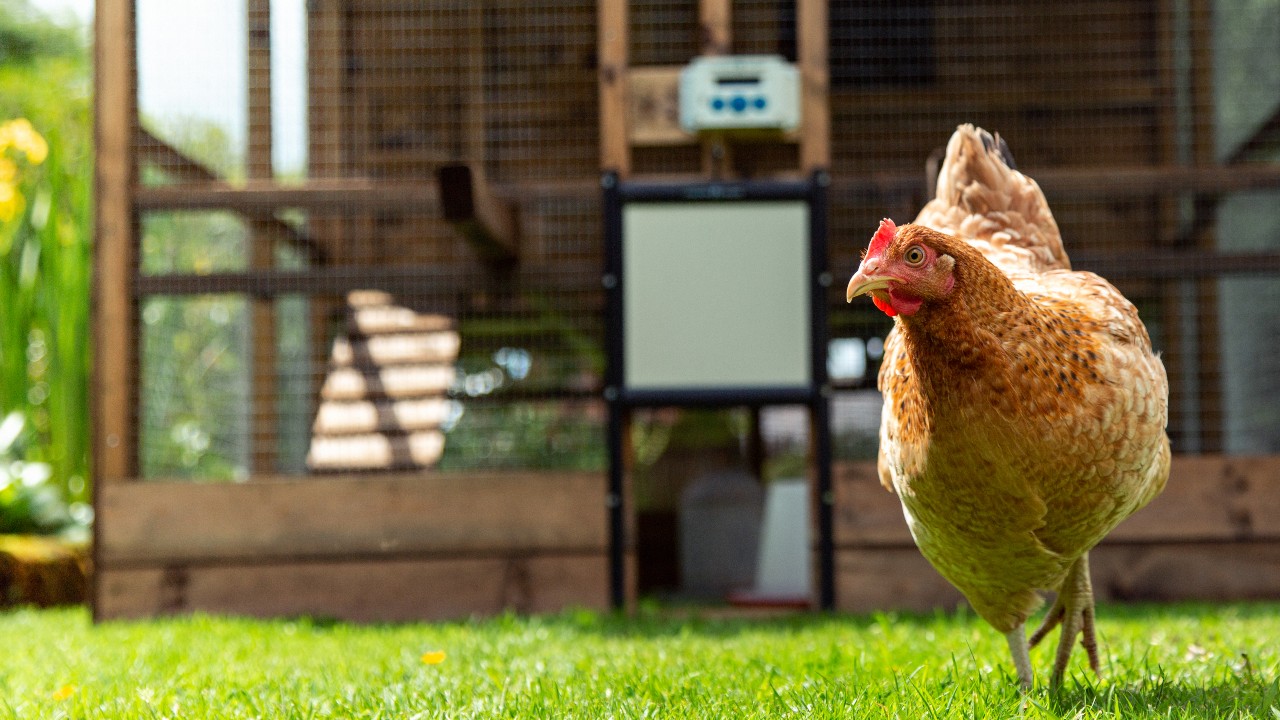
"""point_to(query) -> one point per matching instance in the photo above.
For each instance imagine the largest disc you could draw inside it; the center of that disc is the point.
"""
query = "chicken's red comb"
(880, 241)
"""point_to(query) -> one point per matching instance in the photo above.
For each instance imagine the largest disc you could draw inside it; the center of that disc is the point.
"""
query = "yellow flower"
(434, 657)
(64, 692)
(9, 201)
(20, 135)
(8, 170)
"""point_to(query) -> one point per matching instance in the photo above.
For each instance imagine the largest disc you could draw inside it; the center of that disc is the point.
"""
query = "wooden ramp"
(383, 401)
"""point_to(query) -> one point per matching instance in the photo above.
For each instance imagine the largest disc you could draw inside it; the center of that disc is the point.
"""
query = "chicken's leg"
(1021, 652)
(1073, 609)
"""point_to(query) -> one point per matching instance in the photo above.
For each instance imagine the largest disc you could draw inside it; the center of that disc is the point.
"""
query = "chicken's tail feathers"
(981, 195)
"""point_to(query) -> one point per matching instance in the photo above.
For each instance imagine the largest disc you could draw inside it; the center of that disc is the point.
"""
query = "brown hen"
(1024, 409)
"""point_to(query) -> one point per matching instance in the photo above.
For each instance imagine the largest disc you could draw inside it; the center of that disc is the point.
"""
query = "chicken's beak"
(864, 282)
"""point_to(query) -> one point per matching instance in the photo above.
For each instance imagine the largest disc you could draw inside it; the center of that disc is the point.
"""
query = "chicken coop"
(352, 354)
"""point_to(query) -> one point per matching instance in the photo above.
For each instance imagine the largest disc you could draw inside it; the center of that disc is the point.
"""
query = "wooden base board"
(887, 578)
(389, 547)
(1213, 535)
(379, 590)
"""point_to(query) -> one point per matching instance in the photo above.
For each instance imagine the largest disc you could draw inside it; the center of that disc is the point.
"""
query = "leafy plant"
(45, 251)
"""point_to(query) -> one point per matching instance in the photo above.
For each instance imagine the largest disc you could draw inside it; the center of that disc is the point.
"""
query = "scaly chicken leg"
(1073, 610)
(1021, 652)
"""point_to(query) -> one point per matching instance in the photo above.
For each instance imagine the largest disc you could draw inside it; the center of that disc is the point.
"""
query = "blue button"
(717, 104)
(739, 103)
(760, 103)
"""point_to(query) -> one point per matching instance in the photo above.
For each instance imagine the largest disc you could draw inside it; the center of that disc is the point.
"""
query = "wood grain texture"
(351, 516)
(115, 245)
(383, 591)
(615, 153)
(885, 578)
(1208, 498)
(1213, 535)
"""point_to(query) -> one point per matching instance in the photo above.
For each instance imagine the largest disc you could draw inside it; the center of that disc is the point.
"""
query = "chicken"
(1024, 410)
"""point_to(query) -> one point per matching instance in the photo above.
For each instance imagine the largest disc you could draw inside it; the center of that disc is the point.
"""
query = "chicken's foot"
(1073, 610)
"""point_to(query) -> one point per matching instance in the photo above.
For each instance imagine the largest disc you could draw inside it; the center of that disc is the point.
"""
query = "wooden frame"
(368, 547)
(379, 567)
(1213, 535)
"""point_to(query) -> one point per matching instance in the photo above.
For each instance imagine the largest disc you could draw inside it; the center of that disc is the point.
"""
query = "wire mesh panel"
(372, 98)
(1100, 100)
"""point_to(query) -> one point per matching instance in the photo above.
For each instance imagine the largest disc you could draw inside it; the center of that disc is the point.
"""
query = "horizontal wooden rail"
(1209, 498)
(316, 195)
(337, 280)
(358, 194)
(325, 517)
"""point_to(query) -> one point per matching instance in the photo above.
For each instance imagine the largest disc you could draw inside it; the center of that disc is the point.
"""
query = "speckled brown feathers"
(1024, 411)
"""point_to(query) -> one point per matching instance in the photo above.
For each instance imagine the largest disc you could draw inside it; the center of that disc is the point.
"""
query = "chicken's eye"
(914, 256)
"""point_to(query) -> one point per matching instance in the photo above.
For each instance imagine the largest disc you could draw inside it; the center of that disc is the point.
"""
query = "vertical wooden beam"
(715, 37)
(264, 424)
(327, 51)
(1209, 362)
(815, 85)
(715, 24)
(114, 396)
(115, 371)
(1168, 207)
(474, 111)
(612, 40)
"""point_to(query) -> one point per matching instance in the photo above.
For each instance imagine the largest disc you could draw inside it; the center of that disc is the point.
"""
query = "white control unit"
(739, 92)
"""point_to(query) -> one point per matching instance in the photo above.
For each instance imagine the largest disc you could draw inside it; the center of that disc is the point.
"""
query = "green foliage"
(26, 36)
(45, 265)
(1161, 662)
(29, 502)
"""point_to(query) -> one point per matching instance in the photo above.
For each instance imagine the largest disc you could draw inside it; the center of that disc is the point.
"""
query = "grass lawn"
(1161, 662)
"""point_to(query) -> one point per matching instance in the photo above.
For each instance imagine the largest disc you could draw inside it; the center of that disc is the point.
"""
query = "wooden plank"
(177, 164)
(327, 58)
(344, 516)
(322, 195)
(654, 107)
(115, 246)
(890, 578)
(264, 421)
(341, 418)
(865, 513)
(442, 283)
(376, 451)
(615, 153)
(815, 85)
(1208, 498)
(440, 346)
(715, 27)
(715, 37)
(349, 195)
(1168, 572)
(404, 381)
(886, 578)
(384, 591)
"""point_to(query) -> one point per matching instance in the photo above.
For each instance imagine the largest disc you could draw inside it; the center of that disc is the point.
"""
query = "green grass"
(1161, 662)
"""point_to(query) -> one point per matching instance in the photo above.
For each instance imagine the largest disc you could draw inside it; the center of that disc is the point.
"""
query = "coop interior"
(359, 243)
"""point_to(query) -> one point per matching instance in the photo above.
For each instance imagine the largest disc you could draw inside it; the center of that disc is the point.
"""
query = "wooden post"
(715, 24)
(326, 57)
(1209, 360)
(815, 92)
(113, 401)
(615, 153)
(115, 441)
(264, 424)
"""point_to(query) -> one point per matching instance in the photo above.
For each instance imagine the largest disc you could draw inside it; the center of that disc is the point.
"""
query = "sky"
(185, 74)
